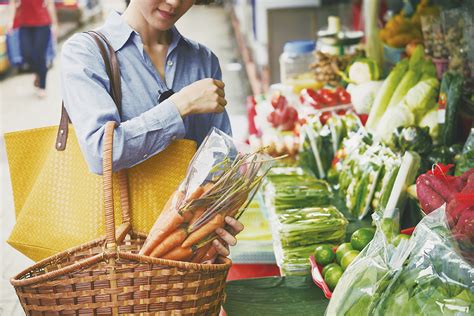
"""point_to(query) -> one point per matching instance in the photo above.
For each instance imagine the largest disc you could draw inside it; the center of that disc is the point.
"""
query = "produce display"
(321, 138)
(391, 143)
(328, 68)
(402, 29)
(366, 175)
(466, 160)
(436, 279)
(364, 281)
(301, 217)
(220, 182)
(335, 263)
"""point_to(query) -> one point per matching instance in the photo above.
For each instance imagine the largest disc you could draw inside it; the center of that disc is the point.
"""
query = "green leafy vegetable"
(384, 95)
(412, 138)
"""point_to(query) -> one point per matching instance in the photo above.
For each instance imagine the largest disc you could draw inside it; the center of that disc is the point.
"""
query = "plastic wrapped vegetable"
(466, 160)
(412, 138)
(297, 232)
(220, 182)
(367, 277)
(436, 280)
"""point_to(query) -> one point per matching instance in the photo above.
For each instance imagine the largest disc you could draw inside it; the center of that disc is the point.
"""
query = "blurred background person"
(37, 21)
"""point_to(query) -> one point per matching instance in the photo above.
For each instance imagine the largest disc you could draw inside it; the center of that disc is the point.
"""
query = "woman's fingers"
(221, 249)
(219, 83)
(226, 236)
(221, 101)
(235, 224)
(220, 92)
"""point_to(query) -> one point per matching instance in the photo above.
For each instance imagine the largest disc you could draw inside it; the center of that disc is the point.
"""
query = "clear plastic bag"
(466, 161)
(220, 181)
(366, 278)
(436, 280)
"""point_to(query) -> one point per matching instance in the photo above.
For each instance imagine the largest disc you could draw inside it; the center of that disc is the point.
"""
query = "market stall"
(377, 138)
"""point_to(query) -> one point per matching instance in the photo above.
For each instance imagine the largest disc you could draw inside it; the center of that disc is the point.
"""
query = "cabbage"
(431, 120)
(394, 117)
(385, 93)
(363, 95)
(364, 70)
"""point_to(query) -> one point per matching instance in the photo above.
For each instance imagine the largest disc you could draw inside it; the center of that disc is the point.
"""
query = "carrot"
(200, 253)
(210, 255)
(197, 214)
(196, 194)
(201, 233)
(180, 254)
(173, 240)
(168, 221)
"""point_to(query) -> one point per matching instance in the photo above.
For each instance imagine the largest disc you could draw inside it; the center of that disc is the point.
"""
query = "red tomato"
(344, 97)
(324, 117)
(341, 112)
(329, 100)
(324, 92)
(363, 118)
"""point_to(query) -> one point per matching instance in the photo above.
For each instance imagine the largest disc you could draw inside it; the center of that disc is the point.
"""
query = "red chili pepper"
(324, 117)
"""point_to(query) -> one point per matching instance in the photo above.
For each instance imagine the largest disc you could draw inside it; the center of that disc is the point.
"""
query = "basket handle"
(108, 186)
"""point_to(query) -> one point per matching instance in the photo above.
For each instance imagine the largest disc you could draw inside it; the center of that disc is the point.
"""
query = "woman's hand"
(203, 96)
(227, 236)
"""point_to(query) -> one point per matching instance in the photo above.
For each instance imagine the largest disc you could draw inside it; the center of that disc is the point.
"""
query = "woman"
(36, 20)
(154, 59)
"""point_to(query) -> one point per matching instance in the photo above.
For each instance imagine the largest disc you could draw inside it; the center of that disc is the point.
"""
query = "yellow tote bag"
(58, 202)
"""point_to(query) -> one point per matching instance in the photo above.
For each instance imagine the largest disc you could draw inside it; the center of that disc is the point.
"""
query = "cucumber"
(451, 128)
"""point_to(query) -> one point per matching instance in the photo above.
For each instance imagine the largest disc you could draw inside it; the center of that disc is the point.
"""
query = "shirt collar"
(118, 32)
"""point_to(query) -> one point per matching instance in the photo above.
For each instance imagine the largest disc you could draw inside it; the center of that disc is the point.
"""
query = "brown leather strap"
(112, 69)
(63, 130)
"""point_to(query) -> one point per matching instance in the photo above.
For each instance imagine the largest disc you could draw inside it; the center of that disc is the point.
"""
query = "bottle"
(296, 58)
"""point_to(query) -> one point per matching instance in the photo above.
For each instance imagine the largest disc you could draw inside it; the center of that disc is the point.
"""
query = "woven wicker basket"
(108, 277)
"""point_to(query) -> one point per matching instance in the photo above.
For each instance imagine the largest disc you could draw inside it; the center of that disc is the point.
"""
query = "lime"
(324, 255)
(332, 276)
(361, 238)
(341, 251)
(348, 258)
(322, 246)
(399, 238)
(326, 268)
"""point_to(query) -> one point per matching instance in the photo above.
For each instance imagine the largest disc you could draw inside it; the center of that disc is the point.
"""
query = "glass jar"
(296, 59)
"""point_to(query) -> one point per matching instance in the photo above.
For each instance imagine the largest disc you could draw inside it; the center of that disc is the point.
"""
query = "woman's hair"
(204, 1)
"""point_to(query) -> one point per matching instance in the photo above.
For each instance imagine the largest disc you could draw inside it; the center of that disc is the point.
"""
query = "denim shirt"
(147, 126)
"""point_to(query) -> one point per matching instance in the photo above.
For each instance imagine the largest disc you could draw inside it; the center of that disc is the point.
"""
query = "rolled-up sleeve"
(85, 88)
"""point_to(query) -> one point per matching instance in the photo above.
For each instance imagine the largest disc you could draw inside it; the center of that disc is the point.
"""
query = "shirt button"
(170, 63)
(145, 155)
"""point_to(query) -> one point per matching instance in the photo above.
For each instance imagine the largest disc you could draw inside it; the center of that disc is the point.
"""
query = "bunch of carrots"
(186, 227)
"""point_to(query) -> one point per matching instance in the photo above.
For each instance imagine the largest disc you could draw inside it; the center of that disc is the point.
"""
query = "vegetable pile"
(334, 264)
(301, 217)
(436, 188)
(327, 68)
(319, 141)
(402, 29)
(435, 280)
(407, 95)
(324, 98)
(220, 182)
(365, 280)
